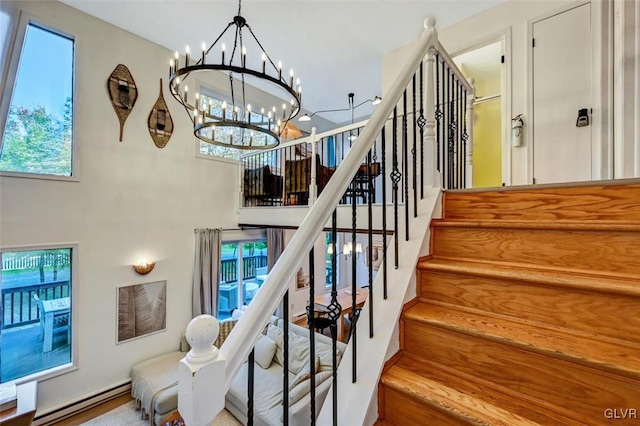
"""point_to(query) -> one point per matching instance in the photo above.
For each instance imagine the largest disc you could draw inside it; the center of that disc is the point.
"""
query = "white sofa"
(267, 402)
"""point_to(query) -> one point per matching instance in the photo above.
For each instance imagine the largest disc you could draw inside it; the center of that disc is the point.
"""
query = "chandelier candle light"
(234, 124)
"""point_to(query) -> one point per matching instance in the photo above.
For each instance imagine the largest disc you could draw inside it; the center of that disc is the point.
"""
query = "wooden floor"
(94, 412)
(21, 352)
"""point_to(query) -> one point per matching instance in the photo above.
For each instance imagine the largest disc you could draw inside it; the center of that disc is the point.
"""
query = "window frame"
(212, 93)
(240, 239)
(75, 268)
(17, 39)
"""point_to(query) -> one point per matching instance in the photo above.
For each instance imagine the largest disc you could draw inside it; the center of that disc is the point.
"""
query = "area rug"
(126, 415)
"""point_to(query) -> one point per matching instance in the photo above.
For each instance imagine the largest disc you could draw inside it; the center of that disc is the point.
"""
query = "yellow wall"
(487, 144)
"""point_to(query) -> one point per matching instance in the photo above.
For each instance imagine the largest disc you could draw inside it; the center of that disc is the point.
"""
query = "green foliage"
(36, 141)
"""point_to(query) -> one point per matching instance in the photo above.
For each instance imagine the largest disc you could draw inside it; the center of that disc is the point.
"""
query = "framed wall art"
(141, 310)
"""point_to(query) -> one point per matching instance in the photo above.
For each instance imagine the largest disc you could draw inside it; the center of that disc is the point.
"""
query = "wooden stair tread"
(462, 398)
(565, 225)
(612, 252)
(616, 357)
(530, 273)
(586, 201)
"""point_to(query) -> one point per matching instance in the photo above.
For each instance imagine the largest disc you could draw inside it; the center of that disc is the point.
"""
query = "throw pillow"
(264, 351)
(225, 330)
(277, 335)
(325, 352)
(298, 352)
(304, 374)
(304, 387)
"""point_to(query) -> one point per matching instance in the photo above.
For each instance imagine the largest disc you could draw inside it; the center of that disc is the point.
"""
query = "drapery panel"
(206, 271)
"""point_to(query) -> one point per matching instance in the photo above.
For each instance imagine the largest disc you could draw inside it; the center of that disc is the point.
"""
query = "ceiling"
(335, 46)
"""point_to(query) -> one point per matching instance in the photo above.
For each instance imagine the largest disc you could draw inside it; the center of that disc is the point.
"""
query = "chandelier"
(234, 124)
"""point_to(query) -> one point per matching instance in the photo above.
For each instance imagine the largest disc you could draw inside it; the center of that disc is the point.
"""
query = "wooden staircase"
(528, 312)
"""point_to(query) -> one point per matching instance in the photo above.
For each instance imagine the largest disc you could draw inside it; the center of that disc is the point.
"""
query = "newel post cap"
(429, 22)
(201, 333)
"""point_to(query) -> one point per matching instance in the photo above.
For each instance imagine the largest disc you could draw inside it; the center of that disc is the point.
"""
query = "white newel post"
(469, 119)
(201, 374)
(430, 103)
(313, 184)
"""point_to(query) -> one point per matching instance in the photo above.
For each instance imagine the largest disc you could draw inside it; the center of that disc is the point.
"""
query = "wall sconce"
(143, 268)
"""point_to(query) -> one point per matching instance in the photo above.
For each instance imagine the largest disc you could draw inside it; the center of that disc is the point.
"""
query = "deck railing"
(35, 261)
(423, 134)
(20, 308)
(229, 267)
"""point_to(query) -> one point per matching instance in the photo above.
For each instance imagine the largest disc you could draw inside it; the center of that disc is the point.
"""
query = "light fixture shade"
(143, 268)
(352, 137)
(376, 100)
(234, 124)
(330, 248)
(305, 117)
(358, 247)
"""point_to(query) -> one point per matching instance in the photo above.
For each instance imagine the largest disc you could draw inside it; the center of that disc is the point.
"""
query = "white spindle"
(430, 108)
(313, 184)
(471, 97)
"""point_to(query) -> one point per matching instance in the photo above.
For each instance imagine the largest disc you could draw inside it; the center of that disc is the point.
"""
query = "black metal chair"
(320, 320)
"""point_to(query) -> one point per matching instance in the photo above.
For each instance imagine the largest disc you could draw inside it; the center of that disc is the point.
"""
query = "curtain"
(206, 271)
(275, 245)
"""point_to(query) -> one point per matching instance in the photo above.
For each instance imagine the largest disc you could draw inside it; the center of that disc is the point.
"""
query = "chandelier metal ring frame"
(256, 129)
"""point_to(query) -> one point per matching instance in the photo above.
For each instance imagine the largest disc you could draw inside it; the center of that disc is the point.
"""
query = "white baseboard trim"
(84, 403)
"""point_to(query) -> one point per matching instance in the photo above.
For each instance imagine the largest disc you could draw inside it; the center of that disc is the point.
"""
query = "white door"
(562, 73)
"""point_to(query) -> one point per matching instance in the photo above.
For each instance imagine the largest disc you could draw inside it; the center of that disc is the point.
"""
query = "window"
(243, 269)
(213, 103)
(328, 256)
(36, 312)
(38, 133)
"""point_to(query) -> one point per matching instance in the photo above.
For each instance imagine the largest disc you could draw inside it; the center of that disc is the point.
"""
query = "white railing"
(205, 368)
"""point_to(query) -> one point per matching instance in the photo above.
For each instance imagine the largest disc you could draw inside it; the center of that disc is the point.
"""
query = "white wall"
(133, 200)
(513, 16)
(298, 299)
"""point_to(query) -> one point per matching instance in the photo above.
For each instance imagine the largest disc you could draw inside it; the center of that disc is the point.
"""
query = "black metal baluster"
(421, 123)
(335, 311)
(251, 378)
(465, 138)
(353, 278)
(458, 135)
(455, 135)
(370, 242)
(445, 130)
(395, 178)
(285, 361)
(344, 197)
(438, 113)
(414, 149)
(452, 129)
(312, 337)
(405, 164)
(454, 86)
(384, 212)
